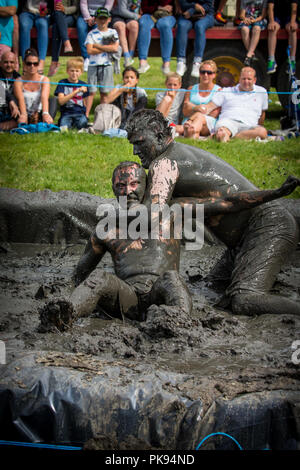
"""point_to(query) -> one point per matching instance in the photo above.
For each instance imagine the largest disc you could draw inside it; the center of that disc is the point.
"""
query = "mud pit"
(165, 383)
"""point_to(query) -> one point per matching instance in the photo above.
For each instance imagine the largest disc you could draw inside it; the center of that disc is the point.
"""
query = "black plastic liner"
(56, 405)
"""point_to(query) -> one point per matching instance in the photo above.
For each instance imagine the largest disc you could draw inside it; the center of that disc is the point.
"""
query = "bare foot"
(222, 135)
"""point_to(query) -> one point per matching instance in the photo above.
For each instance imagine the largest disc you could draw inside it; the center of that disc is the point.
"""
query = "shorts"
(262, 24)
(122, 20)
(267, 242)
(282, 21)
(102, 77)
(234, 126)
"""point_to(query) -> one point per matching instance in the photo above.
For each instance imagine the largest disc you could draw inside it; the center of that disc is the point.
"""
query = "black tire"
(230, 60)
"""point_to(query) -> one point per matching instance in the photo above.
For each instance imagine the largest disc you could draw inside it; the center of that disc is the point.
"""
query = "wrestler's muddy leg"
(258, 304)
(170, 289)
(268, 243)
(100, 287)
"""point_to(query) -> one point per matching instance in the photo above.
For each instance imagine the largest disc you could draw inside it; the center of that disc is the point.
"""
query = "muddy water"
(218, 354)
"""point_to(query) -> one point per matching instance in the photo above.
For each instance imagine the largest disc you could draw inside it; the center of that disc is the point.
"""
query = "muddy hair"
(126, 164)
(145, 119)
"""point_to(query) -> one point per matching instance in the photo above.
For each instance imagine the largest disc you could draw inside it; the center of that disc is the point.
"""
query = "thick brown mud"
(173, 374)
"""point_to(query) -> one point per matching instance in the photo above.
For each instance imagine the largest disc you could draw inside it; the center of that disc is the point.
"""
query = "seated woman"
(197, 123)
(125, 16)
(128, 97)
(33, 93)
(63, 17)
(35, 13)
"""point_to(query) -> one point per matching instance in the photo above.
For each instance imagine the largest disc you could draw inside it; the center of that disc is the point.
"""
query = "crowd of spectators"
(109, 28)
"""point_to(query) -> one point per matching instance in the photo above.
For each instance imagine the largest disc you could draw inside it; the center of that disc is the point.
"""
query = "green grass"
(81, 162)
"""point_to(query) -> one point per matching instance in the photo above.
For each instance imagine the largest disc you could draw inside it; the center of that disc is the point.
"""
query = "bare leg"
(223, 134)
(170, 289)
(101, 287)
(254, 40)
(89, 103)
(255, 304)
(293, 42)
(245, 33)
(272, 40)
(133, 31)
(253, 133)
(121, 30)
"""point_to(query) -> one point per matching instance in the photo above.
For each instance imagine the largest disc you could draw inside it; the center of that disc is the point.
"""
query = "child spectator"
(199, 16)
(72, 99)
(100, 42)
(128, 97)
(169, 102)
(253, 21)
(282, 15)
(86, 22)
(125, 16)
(63, 17)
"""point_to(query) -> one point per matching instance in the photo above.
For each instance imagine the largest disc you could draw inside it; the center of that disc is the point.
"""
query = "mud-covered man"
(260, 239)
(146, 270)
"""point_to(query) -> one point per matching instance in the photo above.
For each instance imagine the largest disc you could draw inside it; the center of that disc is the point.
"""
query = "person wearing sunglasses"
(197, 124)
(32, 92)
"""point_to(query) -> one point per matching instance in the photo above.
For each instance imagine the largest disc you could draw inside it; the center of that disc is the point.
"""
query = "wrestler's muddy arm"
(93, 253)
(241, 200)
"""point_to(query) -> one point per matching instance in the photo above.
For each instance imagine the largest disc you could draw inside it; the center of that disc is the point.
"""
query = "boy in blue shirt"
(72, 94)
(100, 43)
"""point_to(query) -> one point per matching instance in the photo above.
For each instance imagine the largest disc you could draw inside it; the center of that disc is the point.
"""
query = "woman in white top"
(32, 92)
(198, 124)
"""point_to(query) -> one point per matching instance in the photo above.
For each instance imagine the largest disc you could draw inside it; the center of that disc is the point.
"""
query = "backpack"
(106, 116)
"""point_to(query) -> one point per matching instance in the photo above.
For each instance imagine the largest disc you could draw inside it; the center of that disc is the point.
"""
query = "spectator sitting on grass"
(128, 97)
(242, 109)
(32, 92)
(9, 110)
(169, 102)
(282, 14)
(100, 42)
(72, 99)
(253, 15)
(197, 124)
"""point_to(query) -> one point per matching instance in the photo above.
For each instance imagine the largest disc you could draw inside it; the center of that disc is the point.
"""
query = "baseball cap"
(102, 12)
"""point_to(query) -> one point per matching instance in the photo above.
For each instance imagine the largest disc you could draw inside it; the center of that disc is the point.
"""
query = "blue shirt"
(7, 23)
(75, 105)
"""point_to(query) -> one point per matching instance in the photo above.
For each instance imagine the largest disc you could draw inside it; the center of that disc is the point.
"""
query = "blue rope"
(155, 89)
(222, 434)
(43, 446)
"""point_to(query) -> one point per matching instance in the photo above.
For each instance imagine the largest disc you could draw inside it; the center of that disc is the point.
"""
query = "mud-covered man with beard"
(146, 269)
(261, 239)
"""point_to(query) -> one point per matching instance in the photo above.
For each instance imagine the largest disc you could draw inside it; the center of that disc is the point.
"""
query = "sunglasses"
(32, 63)
(209, 72)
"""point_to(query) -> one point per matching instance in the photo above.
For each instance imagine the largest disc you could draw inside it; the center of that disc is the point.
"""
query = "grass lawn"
(81, 162)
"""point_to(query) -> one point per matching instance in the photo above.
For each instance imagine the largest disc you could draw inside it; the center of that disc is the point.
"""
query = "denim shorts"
(263, 24)
(101, 75)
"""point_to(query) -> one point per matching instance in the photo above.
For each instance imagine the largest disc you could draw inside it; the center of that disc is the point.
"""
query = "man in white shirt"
(242, 109)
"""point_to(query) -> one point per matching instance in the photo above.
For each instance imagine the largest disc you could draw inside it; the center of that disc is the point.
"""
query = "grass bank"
(81, 162)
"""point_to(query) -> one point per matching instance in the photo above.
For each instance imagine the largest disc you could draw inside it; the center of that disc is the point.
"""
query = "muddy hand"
(56, 313)
(289, 185)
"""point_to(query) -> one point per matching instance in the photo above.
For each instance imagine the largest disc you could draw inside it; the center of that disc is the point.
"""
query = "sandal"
(53, 69)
